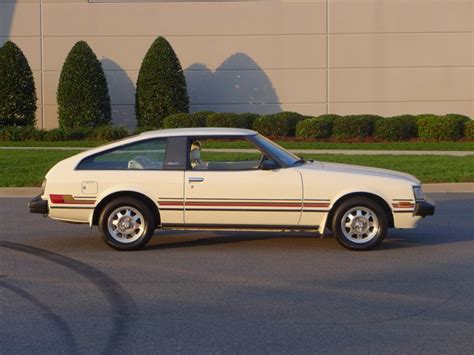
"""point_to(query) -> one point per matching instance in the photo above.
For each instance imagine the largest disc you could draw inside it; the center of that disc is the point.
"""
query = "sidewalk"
(454, 153)
(428, 188)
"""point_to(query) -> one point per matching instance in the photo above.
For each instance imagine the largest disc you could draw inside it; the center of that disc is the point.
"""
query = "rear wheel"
(360, 223)
(126, 223)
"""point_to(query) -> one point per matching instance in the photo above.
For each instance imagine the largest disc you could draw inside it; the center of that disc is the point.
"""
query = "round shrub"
(17, 88)
(469, 129)
(354, 126)
(57, 134)
(19, 133)
(397, 128)
(161, 86)
(431, 127)
(313, 128)
(230, 119)
(83, 96)
(109, 133)
(179, 120)
(461, 118)
(281, 124)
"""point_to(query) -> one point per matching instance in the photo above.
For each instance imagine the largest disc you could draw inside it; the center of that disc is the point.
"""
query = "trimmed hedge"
(354, 126)
(469, 129)
(161, 86)
(17, 88)
(103, 133)
(230, 119)
(316, 127)
(397, 128)
(431, 127)
(281, 124)
(449, 127)
(182, 120)
(83, 96)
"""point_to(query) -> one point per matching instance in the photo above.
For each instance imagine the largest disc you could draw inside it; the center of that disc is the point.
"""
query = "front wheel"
(126, 223)
(360, 223)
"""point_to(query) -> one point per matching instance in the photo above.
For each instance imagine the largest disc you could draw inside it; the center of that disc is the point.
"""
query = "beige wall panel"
(50, 117)
(401, 50)
(229, 52)
(51, 79)
(306, 109)
(31, 47)
(368, 16)
(401, 84)
(39, 120)
(398, 108)
(256, 86)
(124, 115)
(221, 87)
(20, 19)
(222, 18)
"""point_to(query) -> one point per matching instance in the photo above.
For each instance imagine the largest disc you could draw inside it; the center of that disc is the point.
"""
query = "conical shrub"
(83, 96)
(161, 86)
(17, 88)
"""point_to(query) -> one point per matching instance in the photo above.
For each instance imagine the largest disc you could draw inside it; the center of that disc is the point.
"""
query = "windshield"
(289, 159)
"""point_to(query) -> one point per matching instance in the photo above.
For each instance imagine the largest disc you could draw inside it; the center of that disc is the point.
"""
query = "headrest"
(195, 154)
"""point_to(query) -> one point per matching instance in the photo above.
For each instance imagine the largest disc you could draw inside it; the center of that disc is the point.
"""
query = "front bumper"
(38, 205)
(424, 208)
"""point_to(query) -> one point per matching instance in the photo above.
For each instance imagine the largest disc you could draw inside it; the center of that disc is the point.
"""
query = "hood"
(360, 170)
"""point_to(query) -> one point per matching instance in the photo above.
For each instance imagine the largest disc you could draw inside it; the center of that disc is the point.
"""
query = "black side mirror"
(269, 165)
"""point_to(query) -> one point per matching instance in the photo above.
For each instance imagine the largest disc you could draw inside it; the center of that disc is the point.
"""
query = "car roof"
(200, 131)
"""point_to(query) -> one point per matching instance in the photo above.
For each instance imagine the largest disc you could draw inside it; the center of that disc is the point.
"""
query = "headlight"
(418, 192)
(43, 186)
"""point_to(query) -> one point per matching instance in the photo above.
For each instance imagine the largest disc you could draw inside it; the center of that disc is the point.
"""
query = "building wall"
(338, 56)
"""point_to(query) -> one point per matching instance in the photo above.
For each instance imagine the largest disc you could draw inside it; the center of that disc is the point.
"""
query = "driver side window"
(205, 154)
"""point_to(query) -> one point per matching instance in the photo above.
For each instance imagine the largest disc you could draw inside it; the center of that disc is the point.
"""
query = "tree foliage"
(83, 95)
(17, 88)
(161, 86)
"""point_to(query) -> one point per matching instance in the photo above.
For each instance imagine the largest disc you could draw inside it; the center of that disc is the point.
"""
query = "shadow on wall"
(6, 19)
(122, 94)
(237, 85)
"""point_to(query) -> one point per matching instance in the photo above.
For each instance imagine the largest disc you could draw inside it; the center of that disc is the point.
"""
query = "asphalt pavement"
(62, 290)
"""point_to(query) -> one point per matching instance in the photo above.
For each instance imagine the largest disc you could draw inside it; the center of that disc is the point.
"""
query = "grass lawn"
(459, 145)
(28, 167)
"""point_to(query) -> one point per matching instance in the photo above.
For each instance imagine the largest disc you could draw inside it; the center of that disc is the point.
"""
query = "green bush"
(230, 119)
(313, 128)
(354, 126)
(397, 128)
(161, 86)
(108, 133)
(17, 88)
(83, 96)
(181, 120)
(19, 133)
(57, 134)
(469, 129)
(281, 124)
(431, 127)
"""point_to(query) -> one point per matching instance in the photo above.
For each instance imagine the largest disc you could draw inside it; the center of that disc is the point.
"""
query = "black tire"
(374, 236)
(143, 235)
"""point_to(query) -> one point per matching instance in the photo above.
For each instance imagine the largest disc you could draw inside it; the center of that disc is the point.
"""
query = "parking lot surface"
(63, 290)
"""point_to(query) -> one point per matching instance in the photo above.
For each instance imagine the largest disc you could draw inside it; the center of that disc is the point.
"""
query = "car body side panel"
(153, 184)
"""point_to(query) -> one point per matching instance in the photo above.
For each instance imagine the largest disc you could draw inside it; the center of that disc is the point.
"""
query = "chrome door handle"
(195, 179)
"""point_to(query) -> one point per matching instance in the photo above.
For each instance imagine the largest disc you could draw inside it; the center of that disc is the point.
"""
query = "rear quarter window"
(144, 155)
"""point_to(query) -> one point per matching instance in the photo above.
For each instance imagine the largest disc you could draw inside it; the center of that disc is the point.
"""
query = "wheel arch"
(377, 198)
(128, 193)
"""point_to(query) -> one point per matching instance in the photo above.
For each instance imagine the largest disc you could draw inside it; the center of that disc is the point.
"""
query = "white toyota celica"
(179, 179)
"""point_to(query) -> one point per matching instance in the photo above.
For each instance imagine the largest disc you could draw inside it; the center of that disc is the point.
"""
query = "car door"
(244, 195)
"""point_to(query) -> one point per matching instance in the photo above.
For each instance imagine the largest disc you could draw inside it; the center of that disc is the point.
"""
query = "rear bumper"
(424, 208)
(38, 205)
